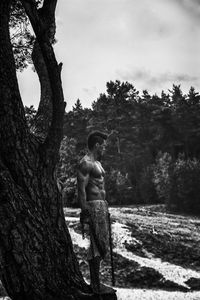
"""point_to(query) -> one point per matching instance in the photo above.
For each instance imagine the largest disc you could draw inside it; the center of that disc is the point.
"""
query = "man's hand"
(85, 216)
(84, 219)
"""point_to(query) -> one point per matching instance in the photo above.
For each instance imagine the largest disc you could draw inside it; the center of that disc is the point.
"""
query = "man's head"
(97, 142)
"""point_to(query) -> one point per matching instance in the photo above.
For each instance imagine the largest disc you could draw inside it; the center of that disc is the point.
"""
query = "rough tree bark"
(44, 113)
(36, 255)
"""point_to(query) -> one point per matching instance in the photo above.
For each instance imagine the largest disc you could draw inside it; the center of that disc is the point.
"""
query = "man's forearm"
(82, 200)
(84, 215)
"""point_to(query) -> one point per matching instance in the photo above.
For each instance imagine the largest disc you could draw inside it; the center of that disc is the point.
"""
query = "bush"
(67, 170)
(147, 188)
(161, 176)
(185, 186)
(178, 183)
(118, 188)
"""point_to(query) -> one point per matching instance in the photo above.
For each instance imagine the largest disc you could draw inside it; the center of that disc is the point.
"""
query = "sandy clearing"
(141, 294)
(122, 235)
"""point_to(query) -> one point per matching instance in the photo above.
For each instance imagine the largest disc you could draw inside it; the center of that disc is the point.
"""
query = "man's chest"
(97, 171)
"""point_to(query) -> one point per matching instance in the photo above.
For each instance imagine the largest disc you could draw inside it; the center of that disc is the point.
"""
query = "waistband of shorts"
(96, 201)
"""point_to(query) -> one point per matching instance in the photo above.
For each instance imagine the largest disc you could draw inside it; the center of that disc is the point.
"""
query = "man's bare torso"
(95, 189)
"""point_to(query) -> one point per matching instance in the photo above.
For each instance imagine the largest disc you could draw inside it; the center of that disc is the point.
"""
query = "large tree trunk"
(36, 254)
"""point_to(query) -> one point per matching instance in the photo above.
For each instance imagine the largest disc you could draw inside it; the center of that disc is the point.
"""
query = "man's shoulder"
(85, 164)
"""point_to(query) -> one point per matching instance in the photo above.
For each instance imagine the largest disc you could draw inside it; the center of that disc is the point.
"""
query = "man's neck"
(93, 155)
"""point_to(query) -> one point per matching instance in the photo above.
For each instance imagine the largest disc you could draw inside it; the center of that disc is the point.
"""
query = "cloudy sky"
(151, 44)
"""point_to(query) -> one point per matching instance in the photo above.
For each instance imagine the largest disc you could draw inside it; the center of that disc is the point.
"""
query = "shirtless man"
(94, 208)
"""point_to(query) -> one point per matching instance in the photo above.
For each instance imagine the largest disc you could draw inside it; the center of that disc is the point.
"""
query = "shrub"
(118, 188)
(178, 183)
(161, 176)
(67, 170)
(185, 186)
(147, 188)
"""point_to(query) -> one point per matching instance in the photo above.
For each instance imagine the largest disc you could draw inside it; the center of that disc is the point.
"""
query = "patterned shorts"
(98, 229)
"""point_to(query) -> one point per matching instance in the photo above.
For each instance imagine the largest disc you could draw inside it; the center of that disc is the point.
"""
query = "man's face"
(101, 149)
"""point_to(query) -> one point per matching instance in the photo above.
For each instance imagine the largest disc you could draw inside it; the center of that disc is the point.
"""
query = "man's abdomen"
(95, 193)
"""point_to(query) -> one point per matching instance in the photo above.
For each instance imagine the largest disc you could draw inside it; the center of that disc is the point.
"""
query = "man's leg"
(94, 260)
(94, 264)
(97, 287)
(101, 231)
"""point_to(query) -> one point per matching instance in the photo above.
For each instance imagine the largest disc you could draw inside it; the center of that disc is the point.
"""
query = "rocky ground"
(154, 252)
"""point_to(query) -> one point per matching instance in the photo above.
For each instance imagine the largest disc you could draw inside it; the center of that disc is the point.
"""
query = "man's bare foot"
(103, 289)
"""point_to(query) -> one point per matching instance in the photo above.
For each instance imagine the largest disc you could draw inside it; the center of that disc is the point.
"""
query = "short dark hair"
(96, 137)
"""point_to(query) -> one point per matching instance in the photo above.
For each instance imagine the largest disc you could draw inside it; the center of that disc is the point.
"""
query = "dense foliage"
(142, 160)
(150, 132)
(185, 186)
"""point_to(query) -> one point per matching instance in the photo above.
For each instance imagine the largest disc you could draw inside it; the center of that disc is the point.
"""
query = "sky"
(151, 44)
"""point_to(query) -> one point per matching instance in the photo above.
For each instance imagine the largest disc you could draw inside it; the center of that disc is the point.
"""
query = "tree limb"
(43, 117)
(53, 139)
(44, 113)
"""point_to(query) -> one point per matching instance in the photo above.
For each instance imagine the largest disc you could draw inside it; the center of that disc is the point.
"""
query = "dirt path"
(156, 255)
(139, 294)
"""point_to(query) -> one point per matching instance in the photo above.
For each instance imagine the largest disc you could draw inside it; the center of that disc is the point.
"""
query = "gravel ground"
(139, 294)
(156, 254)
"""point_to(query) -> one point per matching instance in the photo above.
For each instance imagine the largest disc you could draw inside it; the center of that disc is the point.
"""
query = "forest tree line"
(153, 154)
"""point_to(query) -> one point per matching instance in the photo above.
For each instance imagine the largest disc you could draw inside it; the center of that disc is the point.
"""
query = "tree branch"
(53, 139)
(43, 117)
(44, 114)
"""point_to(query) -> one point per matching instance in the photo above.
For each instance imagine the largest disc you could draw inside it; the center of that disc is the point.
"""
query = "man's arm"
(82, 181)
